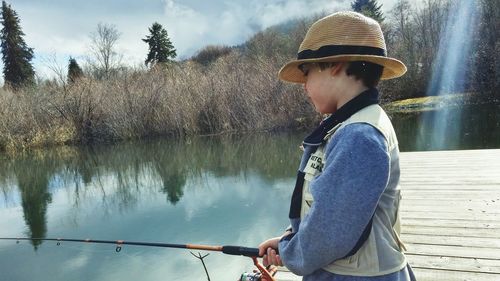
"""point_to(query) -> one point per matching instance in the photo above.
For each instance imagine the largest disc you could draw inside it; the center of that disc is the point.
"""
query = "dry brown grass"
(236, 93)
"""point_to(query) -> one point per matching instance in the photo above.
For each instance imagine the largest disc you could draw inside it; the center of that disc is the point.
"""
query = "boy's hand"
(267, 250)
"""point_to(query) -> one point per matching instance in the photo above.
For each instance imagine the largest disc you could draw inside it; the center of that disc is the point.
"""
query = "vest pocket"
(308, 199)
(396, 227)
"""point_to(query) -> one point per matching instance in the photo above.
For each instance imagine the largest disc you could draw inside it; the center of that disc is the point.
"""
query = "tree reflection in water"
(122, 173)
(33, 174)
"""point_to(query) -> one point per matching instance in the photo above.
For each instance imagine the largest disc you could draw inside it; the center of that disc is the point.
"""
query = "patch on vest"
(316, 163)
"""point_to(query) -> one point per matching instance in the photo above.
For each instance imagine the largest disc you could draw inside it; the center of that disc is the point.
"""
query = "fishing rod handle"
(240, 251)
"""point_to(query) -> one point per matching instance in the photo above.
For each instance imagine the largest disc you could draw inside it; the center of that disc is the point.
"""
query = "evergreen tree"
(16, 55)
(369, 8)
(161, 48)
(75, 72)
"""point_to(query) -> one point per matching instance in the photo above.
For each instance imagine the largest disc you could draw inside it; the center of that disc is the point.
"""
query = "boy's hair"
(369, 73)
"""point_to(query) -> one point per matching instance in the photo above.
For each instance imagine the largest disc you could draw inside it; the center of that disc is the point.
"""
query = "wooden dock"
(450, 215)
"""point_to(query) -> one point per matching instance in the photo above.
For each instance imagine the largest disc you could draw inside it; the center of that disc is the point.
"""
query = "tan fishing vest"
(382, 252)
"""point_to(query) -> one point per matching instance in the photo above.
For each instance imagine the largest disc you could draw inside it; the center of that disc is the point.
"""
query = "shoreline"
(13, 150)
(406, 106)
(430, 103)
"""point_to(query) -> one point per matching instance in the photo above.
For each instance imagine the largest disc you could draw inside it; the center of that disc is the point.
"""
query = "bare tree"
(430, 19)
(401, 41)
(51, 61)
(105, 58)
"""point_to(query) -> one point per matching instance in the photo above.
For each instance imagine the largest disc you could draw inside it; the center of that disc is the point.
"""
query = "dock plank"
(455, 263)
(448, 231)
(453, 251)
(452, 223)
(459, 241)
(450, 215)
(435, 274)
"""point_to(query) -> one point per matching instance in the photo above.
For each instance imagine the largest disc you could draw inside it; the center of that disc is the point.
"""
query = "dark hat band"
(335, 50)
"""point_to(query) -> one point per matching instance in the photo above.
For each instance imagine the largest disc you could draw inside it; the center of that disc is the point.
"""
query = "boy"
(344, 208)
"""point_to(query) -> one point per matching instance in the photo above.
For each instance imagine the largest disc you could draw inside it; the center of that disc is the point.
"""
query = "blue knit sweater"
(345, 197)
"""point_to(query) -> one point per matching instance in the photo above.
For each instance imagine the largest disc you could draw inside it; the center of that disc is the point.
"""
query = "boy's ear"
(337, 68)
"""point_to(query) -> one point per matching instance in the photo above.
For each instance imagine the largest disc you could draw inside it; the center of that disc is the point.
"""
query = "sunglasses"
(306, 67)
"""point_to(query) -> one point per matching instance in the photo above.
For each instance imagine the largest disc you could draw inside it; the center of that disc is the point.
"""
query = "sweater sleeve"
(345, 196)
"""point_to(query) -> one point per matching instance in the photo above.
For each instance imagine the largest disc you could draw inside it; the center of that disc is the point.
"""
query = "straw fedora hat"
(343, 36)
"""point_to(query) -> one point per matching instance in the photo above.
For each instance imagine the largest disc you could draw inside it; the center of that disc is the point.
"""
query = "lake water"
(472, 127)
(215, 191)
(207, 190)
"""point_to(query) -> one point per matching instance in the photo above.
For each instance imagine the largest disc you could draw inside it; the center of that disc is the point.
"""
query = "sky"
(58, 29)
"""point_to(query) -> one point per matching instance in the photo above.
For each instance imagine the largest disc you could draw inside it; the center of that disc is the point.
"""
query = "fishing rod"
(229, 250)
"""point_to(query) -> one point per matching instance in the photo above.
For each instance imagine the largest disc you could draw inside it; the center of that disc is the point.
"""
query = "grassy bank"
(429, 103)
(235, 93)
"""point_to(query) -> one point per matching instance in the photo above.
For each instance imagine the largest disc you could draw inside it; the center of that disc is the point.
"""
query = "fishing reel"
(262, 274)
(250, 276)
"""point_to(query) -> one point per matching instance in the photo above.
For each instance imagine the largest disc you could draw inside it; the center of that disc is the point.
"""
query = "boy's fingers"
(274, 259)
(270, 255)
(265, 262)
(262, 249)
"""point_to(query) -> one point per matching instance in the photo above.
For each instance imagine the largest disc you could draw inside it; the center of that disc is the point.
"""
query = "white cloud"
(233, 22)
(63, 27)
(75, 263)
(186, 26)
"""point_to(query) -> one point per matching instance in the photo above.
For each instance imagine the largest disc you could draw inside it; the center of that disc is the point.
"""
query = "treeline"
(226, 89)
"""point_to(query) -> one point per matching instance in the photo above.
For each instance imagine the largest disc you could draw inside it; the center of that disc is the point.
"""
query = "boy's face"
(320, 87)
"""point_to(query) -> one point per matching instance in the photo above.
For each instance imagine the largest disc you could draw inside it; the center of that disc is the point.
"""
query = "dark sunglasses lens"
(304, 68)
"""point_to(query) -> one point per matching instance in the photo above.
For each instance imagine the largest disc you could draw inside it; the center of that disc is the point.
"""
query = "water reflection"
(33, 175)
(173, 174)
(120, 175)
(477, 127)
